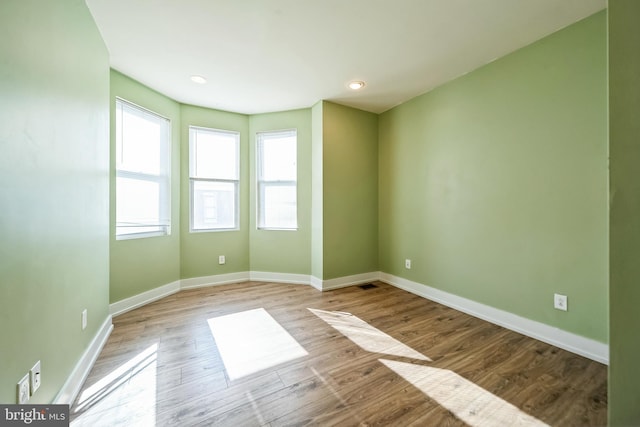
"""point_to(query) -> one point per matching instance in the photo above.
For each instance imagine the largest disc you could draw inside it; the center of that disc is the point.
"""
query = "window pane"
(214, 205)
(137, 203)
(279, 157)
(279, 206)
(140, 138)
(214, 154)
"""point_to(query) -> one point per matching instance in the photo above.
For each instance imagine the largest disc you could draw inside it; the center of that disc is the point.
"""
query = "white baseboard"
(127, 304)
(316, 283)
(144, 298)
(343, 282)
(219, 279)
(74, 382)
(266, 276)
(574, 343)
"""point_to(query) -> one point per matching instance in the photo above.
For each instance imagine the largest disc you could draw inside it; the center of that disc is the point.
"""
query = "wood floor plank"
(380, 356)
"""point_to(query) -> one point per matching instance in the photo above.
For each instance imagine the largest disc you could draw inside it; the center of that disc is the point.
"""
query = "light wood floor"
(291, 355)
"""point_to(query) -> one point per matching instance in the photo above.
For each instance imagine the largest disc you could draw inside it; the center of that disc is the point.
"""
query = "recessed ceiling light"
(198, 79)
(356, 85)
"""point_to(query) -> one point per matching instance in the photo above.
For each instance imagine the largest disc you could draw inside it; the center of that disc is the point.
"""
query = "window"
(142, 173)
(277, 180)
(214, 171)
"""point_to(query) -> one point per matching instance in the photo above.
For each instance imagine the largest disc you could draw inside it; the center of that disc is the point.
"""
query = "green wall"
(200, 251)
(139, 265)
(283, 251)
(624, 147)
(316, 191)
(54, 189)
(495, 184)
(349, 191)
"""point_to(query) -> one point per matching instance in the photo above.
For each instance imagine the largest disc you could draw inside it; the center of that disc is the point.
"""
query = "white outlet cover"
(84, 319)
(560, 302)
(407, 263)
(34, 377)
(23, 390)
(221, 259)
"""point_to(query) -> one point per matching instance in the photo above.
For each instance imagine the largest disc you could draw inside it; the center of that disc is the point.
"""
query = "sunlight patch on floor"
(366, 336)
(250, 341)
(466, 400)
(128, 393)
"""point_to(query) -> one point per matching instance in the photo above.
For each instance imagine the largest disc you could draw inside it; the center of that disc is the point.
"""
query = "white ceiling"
(273, 55)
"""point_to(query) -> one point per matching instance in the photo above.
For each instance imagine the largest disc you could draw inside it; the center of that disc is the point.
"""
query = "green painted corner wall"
(140, 265)
(624, 226)
(54, 190)
(349, 191)
(316, 191)
(277, 250)
(200, 250)
(495, 184)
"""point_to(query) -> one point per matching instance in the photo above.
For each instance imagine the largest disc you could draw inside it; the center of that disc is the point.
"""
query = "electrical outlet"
(23, 391)
(84, 319)
(34, 377)
(560, 302)
(407, 264)
(221, 259)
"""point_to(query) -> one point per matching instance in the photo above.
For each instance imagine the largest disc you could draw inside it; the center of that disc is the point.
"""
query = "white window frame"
(162, 179)
(193, 178)
(262, 183)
